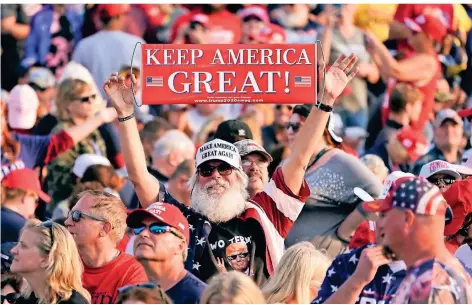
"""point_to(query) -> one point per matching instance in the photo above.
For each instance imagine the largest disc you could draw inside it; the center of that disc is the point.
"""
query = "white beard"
(219, 207)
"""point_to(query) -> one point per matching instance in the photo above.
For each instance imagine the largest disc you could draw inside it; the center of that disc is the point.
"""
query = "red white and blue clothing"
(380, 290)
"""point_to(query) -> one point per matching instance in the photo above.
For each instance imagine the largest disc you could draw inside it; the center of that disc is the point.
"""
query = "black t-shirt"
(232, 243)
(61, 44)
(75, 298)
(187, 291)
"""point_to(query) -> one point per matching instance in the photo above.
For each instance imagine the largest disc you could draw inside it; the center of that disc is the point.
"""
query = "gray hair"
(174, 140)
(242, 176)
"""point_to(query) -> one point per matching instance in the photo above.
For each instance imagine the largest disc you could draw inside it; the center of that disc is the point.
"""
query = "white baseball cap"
(22, 105)
(388, 182)
(218, 149)
(439, 167)
(84, 161)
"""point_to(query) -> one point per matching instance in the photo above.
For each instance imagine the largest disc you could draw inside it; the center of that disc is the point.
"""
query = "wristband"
(323, 107)
(126, 118)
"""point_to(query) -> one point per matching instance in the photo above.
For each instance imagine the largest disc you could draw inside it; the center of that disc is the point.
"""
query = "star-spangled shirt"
(379, 291)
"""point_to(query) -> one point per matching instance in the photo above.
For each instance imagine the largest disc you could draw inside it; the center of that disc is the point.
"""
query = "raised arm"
(307, 142)
(121, 97)
(81, 131)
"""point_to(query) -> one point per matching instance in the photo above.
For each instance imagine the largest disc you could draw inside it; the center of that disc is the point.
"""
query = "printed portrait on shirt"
(237, 255)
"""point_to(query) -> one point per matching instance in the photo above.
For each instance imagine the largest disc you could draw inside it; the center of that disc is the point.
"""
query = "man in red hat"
(411, 228)
(256, 27)
(162, 237)
(20, 194)
(401, 150)
(109, 49)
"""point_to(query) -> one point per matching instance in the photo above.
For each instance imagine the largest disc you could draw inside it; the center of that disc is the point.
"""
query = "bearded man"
(221, 212)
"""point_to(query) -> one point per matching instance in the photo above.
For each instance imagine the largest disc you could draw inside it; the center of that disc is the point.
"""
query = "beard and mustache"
(219, 207)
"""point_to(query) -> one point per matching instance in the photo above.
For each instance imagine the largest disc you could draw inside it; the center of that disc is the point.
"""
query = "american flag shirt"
(433, 282)
(379, 291)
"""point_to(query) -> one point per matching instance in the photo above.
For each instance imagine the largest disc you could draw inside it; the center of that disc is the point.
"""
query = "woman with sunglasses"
(421, 68)
(47, 258)
(332, 174)
(76, 103)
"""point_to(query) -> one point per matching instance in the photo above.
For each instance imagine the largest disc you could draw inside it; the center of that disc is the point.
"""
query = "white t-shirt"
(106, 52)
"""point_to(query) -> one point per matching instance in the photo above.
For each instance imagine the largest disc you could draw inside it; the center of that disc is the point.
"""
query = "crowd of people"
(363, 197)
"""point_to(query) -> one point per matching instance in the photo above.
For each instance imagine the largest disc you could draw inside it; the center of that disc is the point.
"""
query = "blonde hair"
(64, 271)
(294, 274)
(232, 287)
(67, 92)
(111, 208)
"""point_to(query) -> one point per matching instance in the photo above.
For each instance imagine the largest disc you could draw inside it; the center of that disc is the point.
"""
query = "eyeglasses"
(156, 229)
(48, 224)
(240, 255)
(260, 164)
(127, 288)
(294, 126)
(76, 215)
(442, 181)
(289, 107)
(224, 169)
(87, 99)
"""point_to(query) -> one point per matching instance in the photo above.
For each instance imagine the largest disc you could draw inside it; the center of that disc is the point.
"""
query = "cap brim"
(454, 226)
(44, 197)
(136, 217)
(363, 195)
(335, 136)
(462, 169)
(375, 206)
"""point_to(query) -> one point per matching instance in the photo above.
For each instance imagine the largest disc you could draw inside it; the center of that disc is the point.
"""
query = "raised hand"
(338, 76)
(370, 261)
(120, 95)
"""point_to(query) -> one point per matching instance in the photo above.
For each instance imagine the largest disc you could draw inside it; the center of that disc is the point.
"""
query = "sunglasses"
(76, 215)
(155, 229)
(224, 169)
(440, 181)
(260, 164)
(127, 288)
(278, 107)
(240, 255)
(48, 224)
(87, 99)
(295, 126)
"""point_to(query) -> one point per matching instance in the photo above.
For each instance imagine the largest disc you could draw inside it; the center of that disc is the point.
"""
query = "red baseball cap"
(459, 198)
(432, 26)
(465, 113)
(25, 179)
(254, 11)
(414, 142)
(165, 212)
(112, 10)
(411, 193)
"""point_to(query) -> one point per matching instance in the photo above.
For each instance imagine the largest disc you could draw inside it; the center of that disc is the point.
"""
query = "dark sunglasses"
(48, 224)
(10, 298)
(224, 169)
(87, 99)
(156, 229)
(439, 181)
(240, 255)
(295, 126)
(289, 107)
(76, 215)
(127, 288)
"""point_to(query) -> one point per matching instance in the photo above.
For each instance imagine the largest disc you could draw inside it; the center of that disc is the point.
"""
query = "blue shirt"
(12, 223)
(187, 291)
(379, 291)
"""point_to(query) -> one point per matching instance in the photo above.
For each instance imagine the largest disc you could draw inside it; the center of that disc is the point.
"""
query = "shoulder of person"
(75, 298)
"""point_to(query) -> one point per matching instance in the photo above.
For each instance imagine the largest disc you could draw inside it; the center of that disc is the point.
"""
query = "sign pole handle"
(131, 70)
(318, 43)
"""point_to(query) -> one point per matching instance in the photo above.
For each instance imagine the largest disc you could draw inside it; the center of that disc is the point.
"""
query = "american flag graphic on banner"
(302, 81)
(154, 81)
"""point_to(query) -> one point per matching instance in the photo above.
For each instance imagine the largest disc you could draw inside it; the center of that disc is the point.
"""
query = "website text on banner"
(191, 74)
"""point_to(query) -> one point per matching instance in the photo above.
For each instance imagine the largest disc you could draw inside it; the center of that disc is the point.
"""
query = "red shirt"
(224, 27)
(414, 10)
(428, 90)
(103, 282)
